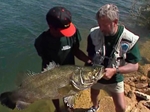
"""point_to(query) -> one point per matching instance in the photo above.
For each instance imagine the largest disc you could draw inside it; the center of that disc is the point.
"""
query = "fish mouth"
(83, 82)
(100, 73)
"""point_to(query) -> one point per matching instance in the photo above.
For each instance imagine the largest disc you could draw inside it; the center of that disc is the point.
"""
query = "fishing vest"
(118, 55)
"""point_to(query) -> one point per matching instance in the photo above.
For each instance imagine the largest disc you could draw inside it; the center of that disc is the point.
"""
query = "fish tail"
(5, 99)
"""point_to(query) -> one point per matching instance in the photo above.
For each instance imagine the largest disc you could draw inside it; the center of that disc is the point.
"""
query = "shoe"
(93, 109)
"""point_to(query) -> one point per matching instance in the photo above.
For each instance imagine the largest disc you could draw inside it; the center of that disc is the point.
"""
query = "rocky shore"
(137, 94)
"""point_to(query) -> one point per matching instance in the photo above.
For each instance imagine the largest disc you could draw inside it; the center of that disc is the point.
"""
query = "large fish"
(54, 83)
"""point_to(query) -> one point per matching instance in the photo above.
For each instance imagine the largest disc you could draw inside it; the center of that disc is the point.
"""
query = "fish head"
(85, 77)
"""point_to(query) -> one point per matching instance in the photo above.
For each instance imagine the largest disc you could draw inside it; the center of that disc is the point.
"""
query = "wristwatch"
(117, 70)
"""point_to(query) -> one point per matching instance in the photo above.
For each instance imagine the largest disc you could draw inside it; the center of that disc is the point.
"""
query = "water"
(23, 20)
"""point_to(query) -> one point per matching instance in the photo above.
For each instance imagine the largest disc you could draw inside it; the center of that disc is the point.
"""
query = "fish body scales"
(47, 84)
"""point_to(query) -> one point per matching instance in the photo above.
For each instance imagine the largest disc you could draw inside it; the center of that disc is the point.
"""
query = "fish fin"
(50, 66)
(21, 77)
(5, 99)
(70, 101)
(20, 105)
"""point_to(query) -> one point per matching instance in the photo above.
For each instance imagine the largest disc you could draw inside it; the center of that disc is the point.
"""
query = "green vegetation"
(140, 11)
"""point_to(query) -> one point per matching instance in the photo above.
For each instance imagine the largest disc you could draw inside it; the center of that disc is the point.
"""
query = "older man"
(115, 47)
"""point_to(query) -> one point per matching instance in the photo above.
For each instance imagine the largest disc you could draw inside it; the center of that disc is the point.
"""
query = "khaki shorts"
(110, 88)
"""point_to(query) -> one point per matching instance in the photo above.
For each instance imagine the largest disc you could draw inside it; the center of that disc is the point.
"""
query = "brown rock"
(130, 94)
(148, 84)
(148, 91)
(141, 107)
(130, 103)
(147, 104)
(132, 84)
(143, 78)
(127, 88)
(148, 74)
(141, 85)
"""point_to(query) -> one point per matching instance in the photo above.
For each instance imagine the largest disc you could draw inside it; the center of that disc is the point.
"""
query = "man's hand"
(128, 68)
(109, 72)
(88, 63)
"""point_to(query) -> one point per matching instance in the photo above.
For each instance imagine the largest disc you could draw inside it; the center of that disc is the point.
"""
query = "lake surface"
(21, 21)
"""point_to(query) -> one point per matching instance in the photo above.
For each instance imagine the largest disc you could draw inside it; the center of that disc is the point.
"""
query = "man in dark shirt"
(60, 43)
